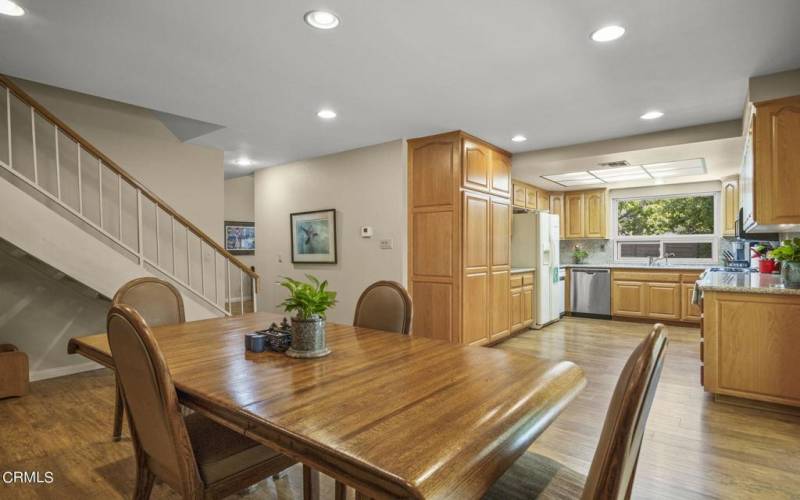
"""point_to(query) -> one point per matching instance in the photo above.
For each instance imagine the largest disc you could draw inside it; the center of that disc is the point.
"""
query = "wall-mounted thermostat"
(366, 231)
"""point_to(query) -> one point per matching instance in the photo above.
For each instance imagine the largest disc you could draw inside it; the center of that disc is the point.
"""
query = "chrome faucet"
(652, 261)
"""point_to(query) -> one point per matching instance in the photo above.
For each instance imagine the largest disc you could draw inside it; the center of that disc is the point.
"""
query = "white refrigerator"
(534, 244)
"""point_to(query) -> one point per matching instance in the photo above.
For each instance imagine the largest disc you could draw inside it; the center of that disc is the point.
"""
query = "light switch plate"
(387, 244)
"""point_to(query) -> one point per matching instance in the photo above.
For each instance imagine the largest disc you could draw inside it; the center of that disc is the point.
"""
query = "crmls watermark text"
(27, 477)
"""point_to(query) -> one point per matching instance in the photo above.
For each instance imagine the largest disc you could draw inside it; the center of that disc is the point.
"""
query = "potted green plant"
(789, 256)
(308, 303)
(579, 254)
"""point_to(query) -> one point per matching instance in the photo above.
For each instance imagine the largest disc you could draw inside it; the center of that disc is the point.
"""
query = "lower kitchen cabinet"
(664, 301)
(628, 299)
(657, 295)
(521, 293)
(516, 309)
(689, 311)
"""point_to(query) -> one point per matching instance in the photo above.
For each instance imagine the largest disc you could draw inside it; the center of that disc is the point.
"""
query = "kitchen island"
(750, 333)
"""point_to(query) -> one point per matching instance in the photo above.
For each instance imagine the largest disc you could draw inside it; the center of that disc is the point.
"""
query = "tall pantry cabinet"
(459, 223)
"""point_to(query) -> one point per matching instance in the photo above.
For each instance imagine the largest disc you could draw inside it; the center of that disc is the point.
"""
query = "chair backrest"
(384, 305)
(158, 301)
(614, 464)
(157, 427)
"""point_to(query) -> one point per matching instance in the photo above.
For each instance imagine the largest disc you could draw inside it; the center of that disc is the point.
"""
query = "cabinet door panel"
(573, 215)
(516, 309)
(519, 195)
(777, 161)
(542, 200)
(501, 234)
(501, 308)
(501, 174)
(689, 311)
(476, 166)
(475, 308)
(527, 305)
(557, 208)
(664, 301)
(595, 225)
(476, 231)
(531, 198)
(730, 206)
(628, 299)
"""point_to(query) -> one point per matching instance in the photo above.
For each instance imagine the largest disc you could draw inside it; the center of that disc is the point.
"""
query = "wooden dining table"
(391, 415)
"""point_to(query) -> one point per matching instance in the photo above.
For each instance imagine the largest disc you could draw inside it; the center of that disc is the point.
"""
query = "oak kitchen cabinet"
(654, 294)
(557, 208)
(521, 293)
(769, 179)
(585, 214)
(459, 238)
(743, 358)
(530, 197)
(730, 205)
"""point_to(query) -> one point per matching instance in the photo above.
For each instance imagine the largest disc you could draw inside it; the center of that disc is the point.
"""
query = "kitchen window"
(682, 226)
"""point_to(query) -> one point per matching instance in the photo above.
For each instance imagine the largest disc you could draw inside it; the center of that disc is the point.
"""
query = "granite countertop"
(515, 270)
(693, 267)
(723, 281)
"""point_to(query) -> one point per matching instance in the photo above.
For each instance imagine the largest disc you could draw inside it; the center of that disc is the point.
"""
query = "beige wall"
(774, 86)
(240, 206)
(367, 188)
(190, 178)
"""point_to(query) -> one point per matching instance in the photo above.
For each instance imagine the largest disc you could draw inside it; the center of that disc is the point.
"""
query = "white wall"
(190, 178)
(240, 206)
(367, 188)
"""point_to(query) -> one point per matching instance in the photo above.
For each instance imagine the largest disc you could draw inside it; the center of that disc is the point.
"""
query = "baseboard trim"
(63, 370)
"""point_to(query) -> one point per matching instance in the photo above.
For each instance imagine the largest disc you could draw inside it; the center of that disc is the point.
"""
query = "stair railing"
(46, 154)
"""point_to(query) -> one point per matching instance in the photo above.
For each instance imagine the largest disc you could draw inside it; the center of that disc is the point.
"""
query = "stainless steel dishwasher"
(590, 292)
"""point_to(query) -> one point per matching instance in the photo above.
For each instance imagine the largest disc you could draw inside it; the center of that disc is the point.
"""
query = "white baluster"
(33, 141)
(202, 270)
(139, 229)
(8, 121)
(172, 231)
(228, 278)
(188, 260)
(100, 183)
(241, 289)
(58, 166)
(119, 202)
(255, 302)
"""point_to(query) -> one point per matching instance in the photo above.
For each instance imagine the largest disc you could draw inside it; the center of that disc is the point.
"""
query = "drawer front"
(516, 281)
(646, 277)
(689, 278)
(527, 278)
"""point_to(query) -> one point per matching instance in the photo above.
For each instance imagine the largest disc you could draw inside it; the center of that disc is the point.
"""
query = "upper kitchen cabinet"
(585, 214)
(769, 177)
(459, 241)
(485, 169)
(557, 208)
(531, 197)
(730, 205)
(519, 195)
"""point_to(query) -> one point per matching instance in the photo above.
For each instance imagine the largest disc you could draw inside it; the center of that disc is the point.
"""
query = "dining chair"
(159, 303)
(384, 305)
(194, 455)
(613, 468)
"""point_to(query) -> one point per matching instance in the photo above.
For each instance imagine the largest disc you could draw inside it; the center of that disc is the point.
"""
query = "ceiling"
(405, 69)
(719, 145)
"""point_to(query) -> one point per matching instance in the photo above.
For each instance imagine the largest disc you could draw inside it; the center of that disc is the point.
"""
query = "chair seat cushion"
(221, 452)
(536, 476)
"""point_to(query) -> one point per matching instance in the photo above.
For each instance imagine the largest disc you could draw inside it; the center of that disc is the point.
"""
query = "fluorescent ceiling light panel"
(621, 174)
(573, 179)
(681, 168)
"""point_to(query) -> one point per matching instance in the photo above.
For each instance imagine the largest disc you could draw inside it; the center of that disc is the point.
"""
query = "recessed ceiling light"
(9, 8)
(652, 115)
(243, 162)
(519, 138)
(321, 19)
(327, 114)
(608, 33)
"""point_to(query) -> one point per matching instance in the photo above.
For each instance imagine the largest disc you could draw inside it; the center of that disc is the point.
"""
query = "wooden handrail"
(21, 94)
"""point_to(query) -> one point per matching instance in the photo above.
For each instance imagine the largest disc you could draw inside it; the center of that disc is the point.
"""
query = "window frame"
(662, 239)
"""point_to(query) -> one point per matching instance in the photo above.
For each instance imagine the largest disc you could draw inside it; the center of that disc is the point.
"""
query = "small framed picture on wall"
(240, 237)
(313, 237)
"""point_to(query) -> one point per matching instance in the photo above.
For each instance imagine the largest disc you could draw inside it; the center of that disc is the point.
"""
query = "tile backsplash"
(600, 251)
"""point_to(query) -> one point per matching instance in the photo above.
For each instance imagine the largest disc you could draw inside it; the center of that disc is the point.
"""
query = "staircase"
(67, 204)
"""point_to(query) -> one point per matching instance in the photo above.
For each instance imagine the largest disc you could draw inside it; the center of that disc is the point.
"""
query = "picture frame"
(313, 236)
(240, 237)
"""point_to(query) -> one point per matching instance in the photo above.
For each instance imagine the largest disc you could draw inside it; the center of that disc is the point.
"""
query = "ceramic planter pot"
(308, 338)
(790, 271)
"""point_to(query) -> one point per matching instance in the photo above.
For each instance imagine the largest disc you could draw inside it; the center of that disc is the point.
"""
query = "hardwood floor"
(693, 447)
